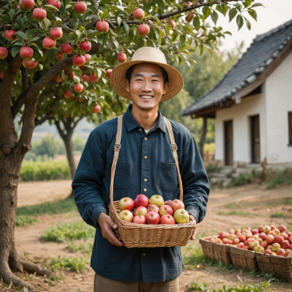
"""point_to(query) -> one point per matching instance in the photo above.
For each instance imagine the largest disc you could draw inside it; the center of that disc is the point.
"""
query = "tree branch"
(62, 134)
(40, 121)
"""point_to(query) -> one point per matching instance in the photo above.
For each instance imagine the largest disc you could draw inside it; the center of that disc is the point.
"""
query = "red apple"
(285, 244)
(96, 109)
(138, 13)
(153, 208)
(167, 202)
(272, 233)
(171, 23)
(102, 26)
(289, 234)
(264, 244)
(253, 244)
(2, 75)
(29, 64)
(85, 77)
(71, 75)
(66, 49)
(139, 219)
(270, 238)
(222, 235)
(26, 53)
(240, 245)
(177, 204)
(279, 239)
(121, 57)
(284, 235)
(56, 33)
(126, 215)
(126, 204)
(49, 43)
(187, 4)
(290, 246)
(268, 251)
(85, 46)
(282, 228)
(59, 56)
(190, 17)
(58, 79)
(26, 5)
(254, 231)
(261, 229)
(236, 240)
(143, 29)
(181, 216)
(242, 238)
(231, 231)
(10, 35)
(165, 210)
(152, 218)
(78, 87)
(108, 73)
(39, 14)
(141, 211)
(281, 252)
(82, 68)
(80, 7)
(167, 219)
(156, 200)
(263, 236)
(87, 58)
(93, 78)
(290, 239)
(55, 3)
(141, 200)
(67, 94)
(218, 240)
(225, 241)
(273, 227)
(78, 60)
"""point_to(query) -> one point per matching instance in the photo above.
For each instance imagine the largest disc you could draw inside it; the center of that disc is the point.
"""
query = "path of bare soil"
(28, 238)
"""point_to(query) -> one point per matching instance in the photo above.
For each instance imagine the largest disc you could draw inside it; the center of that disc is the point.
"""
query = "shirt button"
(140, 130)
(146, 138)
(145, 190)
(144, 254)
(145, 179)
(145, 157)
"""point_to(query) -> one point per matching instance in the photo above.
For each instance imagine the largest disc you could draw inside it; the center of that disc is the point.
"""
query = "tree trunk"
(203, 136)
(69, 153)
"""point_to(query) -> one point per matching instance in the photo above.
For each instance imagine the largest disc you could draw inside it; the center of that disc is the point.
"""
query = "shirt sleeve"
(87, 181)
(195, 181)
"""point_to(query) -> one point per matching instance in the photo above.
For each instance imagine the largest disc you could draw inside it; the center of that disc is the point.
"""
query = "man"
(145, 166)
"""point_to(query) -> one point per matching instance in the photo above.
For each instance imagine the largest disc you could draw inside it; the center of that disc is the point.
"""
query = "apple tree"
(47, 41)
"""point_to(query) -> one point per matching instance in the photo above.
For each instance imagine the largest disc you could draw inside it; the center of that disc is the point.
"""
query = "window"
(290, 127)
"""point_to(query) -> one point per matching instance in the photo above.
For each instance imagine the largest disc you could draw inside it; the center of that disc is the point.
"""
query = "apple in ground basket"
(181, 216)
(141, 211)
(167, 219)
(165, 210)
(139, 219)
(141, 200)
(154, 208)
(168, 202)
(126, 215)
(177, 204)
(126, 204)
(156, 200)
(152, 218)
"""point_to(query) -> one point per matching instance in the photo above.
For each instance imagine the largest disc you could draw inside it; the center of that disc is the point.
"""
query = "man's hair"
(131, 69)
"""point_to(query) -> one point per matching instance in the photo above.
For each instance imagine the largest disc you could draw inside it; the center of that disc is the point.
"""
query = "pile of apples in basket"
(153, 211)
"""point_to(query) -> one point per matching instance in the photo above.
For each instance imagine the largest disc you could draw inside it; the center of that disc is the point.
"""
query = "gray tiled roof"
(261, 53)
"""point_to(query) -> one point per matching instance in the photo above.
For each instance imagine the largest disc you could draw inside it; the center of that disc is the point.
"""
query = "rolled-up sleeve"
(87, 181)
(195, 181)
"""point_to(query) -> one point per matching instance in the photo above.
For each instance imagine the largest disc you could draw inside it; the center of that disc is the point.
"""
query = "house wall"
(278, 89)
(239, 114)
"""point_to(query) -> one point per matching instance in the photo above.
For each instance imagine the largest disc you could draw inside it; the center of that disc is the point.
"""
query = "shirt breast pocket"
(123, 175)
(167, 178)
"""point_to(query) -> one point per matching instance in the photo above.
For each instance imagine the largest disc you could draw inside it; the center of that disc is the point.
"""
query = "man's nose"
(147, 86)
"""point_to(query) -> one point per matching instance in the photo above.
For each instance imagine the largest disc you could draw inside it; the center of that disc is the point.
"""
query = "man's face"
(146, 86)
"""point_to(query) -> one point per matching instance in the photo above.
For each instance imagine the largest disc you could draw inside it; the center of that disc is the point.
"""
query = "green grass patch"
(278, 178)
(70, 264)
(244, 179)
(68, 231)
(85, 248)
(48, 208)
(23, 220)
(44, 170)
(235, 213)
(281, 215)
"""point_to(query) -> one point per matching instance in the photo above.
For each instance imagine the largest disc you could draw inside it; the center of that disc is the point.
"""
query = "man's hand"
(195, 230)
(107, 226)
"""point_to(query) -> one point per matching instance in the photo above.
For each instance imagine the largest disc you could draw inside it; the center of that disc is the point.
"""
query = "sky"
(275, 13)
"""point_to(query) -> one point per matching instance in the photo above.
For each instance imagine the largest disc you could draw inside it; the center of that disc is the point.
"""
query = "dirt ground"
(28, 238)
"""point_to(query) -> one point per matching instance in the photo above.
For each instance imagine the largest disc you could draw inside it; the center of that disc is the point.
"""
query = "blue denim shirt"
(145, 166)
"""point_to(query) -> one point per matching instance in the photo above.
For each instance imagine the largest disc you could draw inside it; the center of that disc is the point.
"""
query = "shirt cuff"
(95, 214)
(195, 213)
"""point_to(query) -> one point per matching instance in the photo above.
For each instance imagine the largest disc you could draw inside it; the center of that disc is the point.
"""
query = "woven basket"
(146, 235)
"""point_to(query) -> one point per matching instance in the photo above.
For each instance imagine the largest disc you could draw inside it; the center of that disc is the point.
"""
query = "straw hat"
(146, 55)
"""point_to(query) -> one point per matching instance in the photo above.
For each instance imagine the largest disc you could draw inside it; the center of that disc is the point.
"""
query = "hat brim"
(118, 79)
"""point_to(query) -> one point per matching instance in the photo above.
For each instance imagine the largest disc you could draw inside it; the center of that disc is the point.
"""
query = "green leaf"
(21, 34)
(15, 50)
(248, 2)
(35, 45)
(126, 27)
(51, 54)
(252, 13)
(58, 21)
(196, 22)
(51, 7)
(119, 20)
(214, 16)
(206, 11)
(239, 21)
(257, 4)
(248, 24)
(232, 13)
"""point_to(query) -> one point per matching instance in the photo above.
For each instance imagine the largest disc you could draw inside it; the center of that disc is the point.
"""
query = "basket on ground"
(144, 235)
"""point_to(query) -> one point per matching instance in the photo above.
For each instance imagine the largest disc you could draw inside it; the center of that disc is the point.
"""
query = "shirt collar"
(132, 124)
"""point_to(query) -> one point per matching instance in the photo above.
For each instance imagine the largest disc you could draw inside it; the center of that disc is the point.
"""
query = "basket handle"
(174, 152)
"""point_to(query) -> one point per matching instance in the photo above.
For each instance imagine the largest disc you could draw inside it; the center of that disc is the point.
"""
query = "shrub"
(71, 264)
(276, 178)
(24, 220)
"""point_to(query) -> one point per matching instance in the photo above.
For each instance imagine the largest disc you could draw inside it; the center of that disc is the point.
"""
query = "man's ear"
(127, 85)
(165, 87)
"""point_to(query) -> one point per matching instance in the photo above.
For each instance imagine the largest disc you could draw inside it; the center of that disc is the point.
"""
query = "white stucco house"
(252, 104)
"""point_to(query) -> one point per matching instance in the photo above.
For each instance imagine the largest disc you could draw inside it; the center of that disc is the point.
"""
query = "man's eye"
(155, 80)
